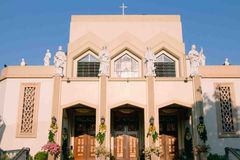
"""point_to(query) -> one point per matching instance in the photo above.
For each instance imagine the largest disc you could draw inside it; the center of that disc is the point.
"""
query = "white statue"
(23, 63)
(149, 63)
(196, 60)
(60, 61)
(202, 58)
(226, 62)
(47, 58)
(104, 62)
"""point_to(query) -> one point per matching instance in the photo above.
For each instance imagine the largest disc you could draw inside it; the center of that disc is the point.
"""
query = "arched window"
(165, 66)
(126, 66)
(88, 66)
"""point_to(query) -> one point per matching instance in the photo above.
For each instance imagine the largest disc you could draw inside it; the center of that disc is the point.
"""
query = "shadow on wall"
(214, 115)
(2, 128)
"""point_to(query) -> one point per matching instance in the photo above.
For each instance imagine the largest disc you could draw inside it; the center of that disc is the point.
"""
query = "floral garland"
(201, 128)
(152, 132)
(101, 134)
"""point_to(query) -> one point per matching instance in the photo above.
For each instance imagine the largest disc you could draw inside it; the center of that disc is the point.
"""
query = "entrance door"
(128, 133)
(168, 137)
(84, 141)
(126, 147)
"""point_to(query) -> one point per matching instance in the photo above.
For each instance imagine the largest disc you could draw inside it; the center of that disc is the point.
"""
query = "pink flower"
(52, 148)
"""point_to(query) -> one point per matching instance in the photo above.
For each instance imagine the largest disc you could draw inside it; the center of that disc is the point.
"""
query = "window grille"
(165, 66)
(28, 110)
(88, 66)
(226, 108)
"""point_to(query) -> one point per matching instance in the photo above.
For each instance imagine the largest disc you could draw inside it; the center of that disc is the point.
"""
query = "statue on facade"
(226, 62)
(23, 63)
(149, 63)
(196, 60)
(60, 61)
(104, 62)
(47, 58)
(202, 58)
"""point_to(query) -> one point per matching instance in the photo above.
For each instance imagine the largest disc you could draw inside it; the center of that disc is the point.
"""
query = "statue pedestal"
(154, 157)
(51, 157)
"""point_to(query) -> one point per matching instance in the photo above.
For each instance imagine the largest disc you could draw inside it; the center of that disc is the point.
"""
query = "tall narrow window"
(165, 66)
(88, 66)
(225, 109)
(27, 119)
(126, 66)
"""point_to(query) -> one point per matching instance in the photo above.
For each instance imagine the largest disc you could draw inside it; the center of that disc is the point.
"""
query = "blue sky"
(28, 28)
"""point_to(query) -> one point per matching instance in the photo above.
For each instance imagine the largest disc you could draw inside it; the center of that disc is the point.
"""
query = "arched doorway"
(127, 132)
(79, 123)
(173, 121)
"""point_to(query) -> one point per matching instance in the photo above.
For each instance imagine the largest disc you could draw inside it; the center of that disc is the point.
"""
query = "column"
(197, 109)
(103, 110)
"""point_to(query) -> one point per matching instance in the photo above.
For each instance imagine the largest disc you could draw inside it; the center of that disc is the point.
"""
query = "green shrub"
(41, 155)
(216, 157)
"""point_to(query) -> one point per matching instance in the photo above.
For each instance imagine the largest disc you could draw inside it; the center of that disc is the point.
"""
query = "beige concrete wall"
(85, 92)
(2, 95)
(168, 92)
(109, 27)
(11, 105)
(121, 92)
(208, 88)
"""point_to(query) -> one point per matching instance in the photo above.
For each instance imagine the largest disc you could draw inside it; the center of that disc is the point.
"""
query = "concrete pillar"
(103, 110)
(197, 109)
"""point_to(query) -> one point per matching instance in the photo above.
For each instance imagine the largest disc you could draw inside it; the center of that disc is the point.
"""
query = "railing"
(232, 153)
(17, 154)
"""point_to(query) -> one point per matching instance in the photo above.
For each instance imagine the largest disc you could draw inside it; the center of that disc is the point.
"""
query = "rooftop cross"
(123, 8)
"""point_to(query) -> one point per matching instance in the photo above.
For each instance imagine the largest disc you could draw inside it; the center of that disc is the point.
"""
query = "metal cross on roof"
(123, 8)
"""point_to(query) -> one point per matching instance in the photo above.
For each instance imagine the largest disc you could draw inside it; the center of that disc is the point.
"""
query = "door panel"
(168, 137)
(126, 147)
(84, 147)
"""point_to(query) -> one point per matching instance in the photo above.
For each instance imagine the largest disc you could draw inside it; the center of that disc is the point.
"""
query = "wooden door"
(168, 137)
(126, 147)
(167, 146)
(84, 147)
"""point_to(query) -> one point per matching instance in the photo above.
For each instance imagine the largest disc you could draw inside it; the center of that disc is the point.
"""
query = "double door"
(168, 137)
(84, 140)
(126, 145)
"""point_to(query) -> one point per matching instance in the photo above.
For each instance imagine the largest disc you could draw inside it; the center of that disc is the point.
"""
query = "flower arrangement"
(102, 131)
(201, 148)
(151, 150)
(101, 151)
(152, 130)
(52, 148)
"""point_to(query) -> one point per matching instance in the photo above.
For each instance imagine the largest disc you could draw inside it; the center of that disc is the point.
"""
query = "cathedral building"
(131, 73)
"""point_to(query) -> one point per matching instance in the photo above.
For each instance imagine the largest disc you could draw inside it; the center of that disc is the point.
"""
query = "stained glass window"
(126, 66)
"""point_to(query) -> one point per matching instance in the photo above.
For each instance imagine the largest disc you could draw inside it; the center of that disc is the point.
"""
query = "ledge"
(27, 72)
(219, 71)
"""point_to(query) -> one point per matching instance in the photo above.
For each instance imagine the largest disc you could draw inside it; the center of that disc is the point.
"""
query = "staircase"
(17, 154)
(232, 153)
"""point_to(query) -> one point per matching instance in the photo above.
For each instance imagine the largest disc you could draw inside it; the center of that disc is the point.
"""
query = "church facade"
(129, 73)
